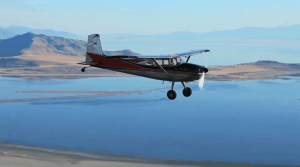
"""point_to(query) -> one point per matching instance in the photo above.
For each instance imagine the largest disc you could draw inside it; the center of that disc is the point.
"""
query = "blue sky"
(148, 17)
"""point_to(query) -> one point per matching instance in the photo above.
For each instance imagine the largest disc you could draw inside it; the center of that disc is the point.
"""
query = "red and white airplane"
(165, 67)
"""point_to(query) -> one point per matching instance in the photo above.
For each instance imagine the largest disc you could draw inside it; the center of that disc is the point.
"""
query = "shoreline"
(209, 77)
(17, 154)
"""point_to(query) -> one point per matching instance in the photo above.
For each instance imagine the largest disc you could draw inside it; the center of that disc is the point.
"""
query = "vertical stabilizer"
(94, 44)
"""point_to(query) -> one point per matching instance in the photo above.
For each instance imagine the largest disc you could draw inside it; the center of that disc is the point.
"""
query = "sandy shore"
(25, 156)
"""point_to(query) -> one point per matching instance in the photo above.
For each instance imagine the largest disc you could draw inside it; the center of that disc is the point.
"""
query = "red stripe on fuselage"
(103, 61)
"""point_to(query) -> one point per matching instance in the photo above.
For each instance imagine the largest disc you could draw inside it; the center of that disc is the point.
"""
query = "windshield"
(179, 60)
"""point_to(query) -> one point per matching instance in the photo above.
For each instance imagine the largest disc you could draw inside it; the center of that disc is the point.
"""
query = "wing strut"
(163, 69)
(188, 59)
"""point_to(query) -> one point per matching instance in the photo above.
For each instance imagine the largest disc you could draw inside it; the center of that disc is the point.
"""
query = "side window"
(150, 63)
(159, 62)
(166, 62)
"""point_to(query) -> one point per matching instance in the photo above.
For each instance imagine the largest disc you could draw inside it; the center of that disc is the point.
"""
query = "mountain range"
(31, 54)
(4, 34)
(287, 33)
(32, 44)
(19, 30)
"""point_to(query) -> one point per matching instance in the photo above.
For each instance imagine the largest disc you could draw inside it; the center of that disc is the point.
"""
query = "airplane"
(165, 67)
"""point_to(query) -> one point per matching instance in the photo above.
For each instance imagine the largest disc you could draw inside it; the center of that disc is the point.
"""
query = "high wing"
(184, 54)
(192, 53)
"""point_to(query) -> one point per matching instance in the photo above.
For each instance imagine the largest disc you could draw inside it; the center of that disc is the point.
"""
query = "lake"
(238, 121)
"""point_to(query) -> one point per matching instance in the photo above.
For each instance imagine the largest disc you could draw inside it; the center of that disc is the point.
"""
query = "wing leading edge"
(184, 54)
(192, 53)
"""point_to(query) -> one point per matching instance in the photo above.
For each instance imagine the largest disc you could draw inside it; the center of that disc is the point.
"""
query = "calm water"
(249, 121)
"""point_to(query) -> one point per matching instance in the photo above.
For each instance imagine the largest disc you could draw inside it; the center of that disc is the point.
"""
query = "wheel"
(171, 94)
(83, 69)
(187, 92)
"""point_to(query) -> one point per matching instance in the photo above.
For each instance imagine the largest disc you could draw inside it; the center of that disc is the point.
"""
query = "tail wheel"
(187, 92)
(171, 94)
(83, 69)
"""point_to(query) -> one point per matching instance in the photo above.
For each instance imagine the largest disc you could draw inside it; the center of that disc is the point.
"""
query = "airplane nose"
(203, 69)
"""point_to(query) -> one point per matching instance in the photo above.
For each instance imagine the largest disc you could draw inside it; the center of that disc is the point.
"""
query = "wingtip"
(207, 50)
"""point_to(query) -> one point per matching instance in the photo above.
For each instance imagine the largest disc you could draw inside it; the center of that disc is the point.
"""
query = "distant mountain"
(18, 30)
(4, 34)
(277, 65)
(286, 33)
(30, 43)
(289, 32)
(41, 44)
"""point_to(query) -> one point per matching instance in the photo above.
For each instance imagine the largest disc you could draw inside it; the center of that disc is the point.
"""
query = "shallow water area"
(238, 121)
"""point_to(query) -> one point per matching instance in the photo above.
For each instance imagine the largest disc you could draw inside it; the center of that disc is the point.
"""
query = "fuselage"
(179, 72)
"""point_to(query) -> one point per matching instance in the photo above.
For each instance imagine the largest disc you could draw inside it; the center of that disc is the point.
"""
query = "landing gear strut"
(171, 93)
(186, 91)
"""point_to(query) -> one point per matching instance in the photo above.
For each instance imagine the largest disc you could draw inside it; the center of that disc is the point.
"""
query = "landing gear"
(83, 69)
(186, 91)
(171, 93)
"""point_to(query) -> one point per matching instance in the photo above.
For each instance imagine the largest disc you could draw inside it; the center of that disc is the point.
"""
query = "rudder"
(94, 46)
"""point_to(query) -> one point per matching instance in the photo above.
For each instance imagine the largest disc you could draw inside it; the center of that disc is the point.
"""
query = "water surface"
(239, 121)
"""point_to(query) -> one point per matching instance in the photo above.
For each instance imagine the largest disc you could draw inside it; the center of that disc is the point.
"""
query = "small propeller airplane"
(165, 67)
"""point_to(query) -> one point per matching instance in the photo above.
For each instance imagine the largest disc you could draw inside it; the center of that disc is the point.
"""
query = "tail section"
(93, 46)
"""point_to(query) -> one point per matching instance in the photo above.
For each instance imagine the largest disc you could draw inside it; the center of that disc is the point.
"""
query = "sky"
(148, 17)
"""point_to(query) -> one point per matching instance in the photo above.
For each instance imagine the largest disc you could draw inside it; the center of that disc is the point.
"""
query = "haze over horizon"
(148, 18)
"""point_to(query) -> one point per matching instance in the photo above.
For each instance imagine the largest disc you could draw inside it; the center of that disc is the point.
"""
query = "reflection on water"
(249, 121)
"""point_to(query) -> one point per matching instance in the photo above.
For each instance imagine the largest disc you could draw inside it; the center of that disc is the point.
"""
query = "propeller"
(202, 79)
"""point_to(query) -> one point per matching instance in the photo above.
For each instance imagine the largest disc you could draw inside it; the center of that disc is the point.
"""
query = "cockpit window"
(162, 62)
(179, 60)
(150, 62)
